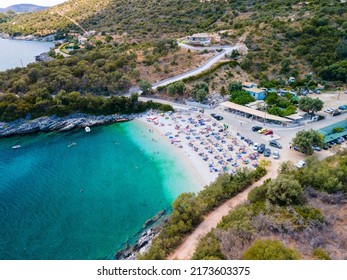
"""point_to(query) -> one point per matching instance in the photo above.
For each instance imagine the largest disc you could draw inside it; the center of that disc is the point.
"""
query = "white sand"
(203, 147)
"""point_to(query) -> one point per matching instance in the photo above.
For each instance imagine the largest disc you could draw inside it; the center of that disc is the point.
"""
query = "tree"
(241, 97)
(200, 91)
(305, 139)
(310, 105)
(223, 91)
(234, 86)
(145, 86)
(176, 88)
(272, 98)
(269, 250)
(284, 191)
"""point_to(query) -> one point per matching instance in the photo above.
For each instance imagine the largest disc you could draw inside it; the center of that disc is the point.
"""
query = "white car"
(329, 110)
(255, 147)
(276, 154)
(300, 164)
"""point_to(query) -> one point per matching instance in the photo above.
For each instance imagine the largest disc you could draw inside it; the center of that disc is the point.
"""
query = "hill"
(23, 8)
(135, 17)
(286, 38)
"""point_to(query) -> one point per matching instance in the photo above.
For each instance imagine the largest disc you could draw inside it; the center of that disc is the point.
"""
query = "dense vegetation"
(41, 104)
(285, 35)
(138, 18)
(74, 83)
(188, 209)
(285, 38)
(299, 208)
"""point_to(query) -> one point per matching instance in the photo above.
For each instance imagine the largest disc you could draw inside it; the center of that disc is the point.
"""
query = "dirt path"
(186, 250)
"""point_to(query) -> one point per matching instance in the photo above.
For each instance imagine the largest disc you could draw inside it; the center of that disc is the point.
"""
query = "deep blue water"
(85, 201)
(15, 52)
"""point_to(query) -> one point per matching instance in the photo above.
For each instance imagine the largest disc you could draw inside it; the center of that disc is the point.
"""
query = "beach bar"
(256, 114)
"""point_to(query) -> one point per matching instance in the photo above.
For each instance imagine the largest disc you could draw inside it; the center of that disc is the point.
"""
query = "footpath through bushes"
(189, 209)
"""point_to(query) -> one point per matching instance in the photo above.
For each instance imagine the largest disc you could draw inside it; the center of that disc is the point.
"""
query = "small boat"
(72, 144)
(87, 129)
(16, 147)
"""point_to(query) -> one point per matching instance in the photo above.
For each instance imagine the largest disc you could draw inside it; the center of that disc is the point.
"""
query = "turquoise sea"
(86, 201)
(14, 53)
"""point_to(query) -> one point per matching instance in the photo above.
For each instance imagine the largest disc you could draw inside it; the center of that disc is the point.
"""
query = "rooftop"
(328, 131)
(255, 90)
(200, 35)
(248, 84)
(254, 112)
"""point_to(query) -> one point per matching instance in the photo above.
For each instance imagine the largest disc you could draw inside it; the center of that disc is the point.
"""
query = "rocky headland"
(55, 123)
(49, 38)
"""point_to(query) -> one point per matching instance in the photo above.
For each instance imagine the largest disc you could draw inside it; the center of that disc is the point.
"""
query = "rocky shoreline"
(43, 57)
(151, 228)
(49, 38)
(55, 123)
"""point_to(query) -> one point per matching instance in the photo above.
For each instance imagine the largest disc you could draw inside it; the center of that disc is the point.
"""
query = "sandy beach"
(206, 147)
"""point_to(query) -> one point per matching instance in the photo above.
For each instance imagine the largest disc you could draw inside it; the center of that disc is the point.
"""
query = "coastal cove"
(15, 52)
(86, 201)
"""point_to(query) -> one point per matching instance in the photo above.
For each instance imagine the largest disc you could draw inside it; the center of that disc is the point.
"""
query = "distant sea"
(85, 201)
(15, 52)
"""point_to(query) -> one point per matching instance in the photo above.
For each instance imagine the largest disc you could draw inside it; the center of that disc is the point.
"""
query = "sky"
(6, 3)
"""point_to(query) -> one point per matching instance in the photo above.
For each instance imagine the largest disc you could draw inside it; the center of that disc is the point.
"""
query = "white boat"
(87, 129)
(16, 147)
(72, 144)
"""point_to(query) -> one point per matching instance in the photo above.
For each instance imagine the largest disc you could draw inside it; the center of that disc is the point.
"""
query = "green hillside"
(285, 37)
(135, 17)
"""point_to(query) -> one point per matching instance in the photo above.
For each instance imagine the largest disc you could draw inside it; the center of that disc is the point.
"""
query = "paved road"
(208, 64)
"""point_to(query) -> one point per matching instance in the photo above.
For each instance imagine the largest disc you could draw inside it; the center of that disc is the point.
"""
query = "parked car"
(255, 146)
(316, 148)
(329, 110)
(300, 164)
(263, 130)
(336, 113)
(296, 148)
(256, 128)
(217, 117)
(261, 148)
(268, 132)
(276, 154)
(267, 152)
(274, 143)
(342, 107)
(193, 108)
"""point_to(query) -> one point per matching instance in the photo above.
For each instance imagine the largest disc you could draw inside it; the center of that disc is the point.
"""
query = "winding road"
(225, 50)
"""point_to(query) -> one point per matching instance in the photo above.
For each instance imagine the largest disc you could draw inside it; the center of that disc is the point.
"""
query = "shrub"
(337, 129)
(208, 248)
(258, 194)
(258, 173)
(269, 250)
(320, 254)
(284, 191)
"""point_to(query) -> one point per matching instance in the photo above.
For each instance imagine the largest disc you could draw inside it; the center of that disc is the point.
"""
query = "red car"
(269, 132)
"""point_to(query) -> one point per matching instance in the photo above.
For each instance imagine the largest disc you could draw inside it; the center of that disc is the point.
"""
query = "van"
(275, 144)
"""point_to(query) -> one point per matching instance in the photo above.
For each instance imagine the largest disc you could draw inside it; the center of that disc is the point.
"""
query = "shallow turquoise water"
(86, 201)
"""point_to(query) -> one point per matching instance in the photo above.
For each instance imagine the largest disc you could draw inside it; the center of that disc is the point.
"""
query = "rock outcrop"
(144, 241)
(54, 123)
